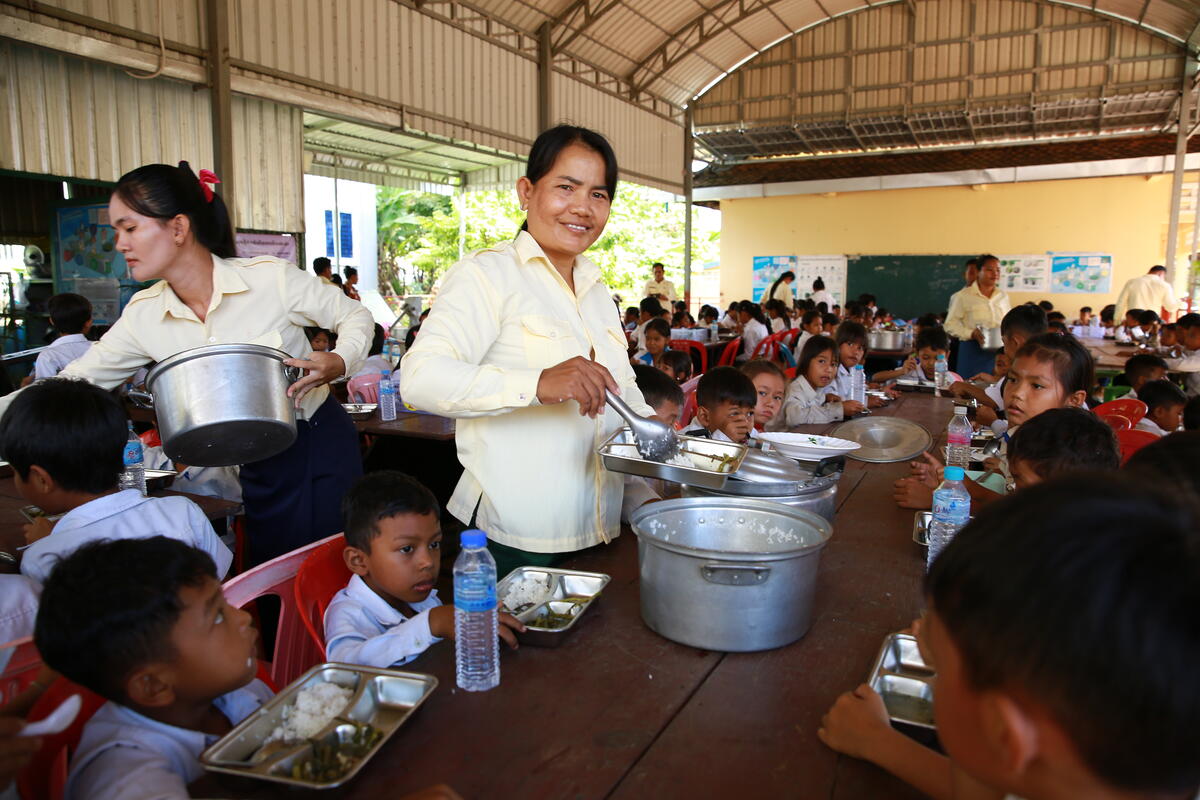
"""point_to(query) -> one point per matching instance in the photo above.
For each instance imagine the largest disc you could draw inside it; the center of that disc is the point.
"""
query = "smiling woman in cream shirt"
(520, 345)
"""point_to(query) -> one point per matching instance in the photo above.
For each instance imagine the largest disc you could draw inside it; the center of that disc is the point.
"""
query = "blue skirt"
(973, 359)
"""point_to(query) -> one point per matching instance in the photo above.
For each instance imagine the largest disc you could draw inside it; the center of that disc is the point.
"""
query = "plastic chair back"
(767, 348)
(363, 388)
(729, 354)
(1130, 408)
(1132, 441)
(1117, 422)
(694, 346)
(21, 670)
(788, 338)
(687, 412)
(46, 774)
(294, 650)
(322, 575)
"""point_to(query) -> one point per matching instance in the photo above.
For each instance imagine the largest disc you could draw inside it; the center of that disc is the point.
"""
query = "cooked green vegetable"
(331, 761)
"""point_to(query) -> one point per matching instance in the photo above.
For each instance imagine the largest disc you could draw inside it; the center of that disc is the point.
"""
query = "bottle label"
(951, 508)
(474, 592)
(133, 453)
(958, 438)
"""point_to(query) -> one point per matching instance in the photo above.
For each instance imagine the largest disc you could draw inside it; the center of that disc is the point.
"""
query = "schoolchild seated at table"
(389, 613)
(770, 386)
(65, 439)
(1189, 362)
(666, 398)
(725, 400)
(1085, 317)
(1170, 463)
(1148, 322)
(1058, 441)
(656, 335)
(829, 323)
(930, 343)
(649, 308)
(1168, 334)
(1056, 316)
(1107, 317)
(676, 364)
(631, 318)
(1164, 407)
(851, 340)
(144, 624)
(1018, 326)
(321, 340)
(807, 401)
(811, 324)
(71, 316)
(1141, 369)
(1043, 614)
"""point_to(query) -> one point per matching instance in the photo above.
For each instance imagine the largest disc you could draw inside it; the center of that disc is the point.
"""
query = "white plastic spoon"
(57, 721)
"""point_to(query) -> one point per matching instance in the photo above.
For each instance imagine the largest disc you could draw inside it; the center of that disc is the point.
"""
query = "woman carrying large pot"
(520, 346)
(173, 229)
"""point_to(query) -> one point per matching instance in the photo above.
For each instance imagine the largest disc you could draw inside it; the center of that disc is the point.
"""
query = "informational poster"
(830, 269)
(279, 245)
(766, 270)
(1082, 273)
(1030, 273)
(86, 260)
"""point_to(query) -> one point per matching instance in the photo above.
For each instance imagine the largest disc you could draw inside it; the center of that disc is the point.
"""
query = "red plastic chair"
(1132, 441)
(1130, 408)
(729, 354)
(788, 338)
(768, 348)
(322, 575)
(790, 373)
(687, 412)
(691, 344)
(294, 650)
(21, 670)
(1117, 422)
(363, 388)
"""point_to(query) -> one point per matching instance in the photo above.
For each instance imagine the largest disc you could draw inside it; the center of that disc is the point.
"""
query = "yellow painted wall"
(1124, 216)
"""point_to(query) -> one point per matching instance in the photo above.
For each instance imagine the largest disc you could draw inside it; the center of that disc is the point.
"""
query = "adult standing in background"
(660, 287)
(819, 295)
(1148, 291)
(982, 304)
(782, 289)
(970, 274)
(323, 268)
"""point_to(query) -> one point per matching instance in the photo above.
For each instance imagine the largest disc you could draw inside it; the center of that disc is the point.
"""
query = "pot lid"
(234, 348)
(772, 475)
(884, 439)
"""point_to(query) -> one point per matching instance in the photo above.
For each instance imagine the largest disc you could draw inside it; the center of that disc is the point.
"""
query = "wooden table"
(409, 424)
(620, 712)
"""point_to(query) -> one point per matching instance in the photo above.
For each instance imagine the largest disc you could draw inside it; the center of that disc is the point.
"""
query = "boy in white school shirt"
(1189, 331)
(1164, 407)
(389, 613)
(64, 439)
(71, 316)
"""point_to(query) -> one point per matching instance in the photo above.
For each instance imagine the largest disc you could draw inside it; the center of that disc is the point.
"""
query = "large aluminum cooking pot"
(992, 340)
(885, 340)
(222, 404)
(733, 575)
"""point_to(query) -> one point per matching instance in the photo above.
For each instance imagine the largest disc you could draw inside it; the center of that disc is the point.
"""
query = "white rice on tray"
(312, 710)
(526, 589)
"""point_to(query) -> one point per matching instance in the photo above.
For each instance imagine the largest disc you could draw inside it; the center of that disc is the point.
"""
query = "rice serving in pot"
(313, 709)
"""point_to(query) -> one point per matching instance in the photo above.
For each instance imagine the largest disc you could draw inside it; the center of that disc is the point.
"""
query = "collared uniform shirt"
(655, 288)
(1190, 364)
(1150, 426)
(823, 296)
(123, 755)
(361, 628)
(125, 515)
(18, 610)
(261, 300)
(61, 352)
(804, 405)
(1147, 292)
(753, 332)
(969, 308)
(502, 316)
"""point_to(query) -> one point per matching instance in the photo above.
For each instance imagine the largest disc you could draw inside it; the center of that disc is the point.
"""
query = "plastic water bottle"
(714, 332)
(476, 649)
(958, 439)
(134, 474)
(387, 396)
(941, 375)
(951, 510)
(858, 385)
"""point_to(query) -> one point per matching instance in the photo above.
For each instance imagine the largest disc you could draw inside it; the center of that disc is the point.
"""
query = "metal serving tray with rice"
(298, 737)
(904, 681)
(712, 462)
(549, 601)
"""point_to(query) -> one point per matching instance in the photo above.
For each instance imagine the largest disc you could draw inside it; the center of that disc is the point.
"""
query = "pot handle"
(292, 374)
(143, 400)
(735, 574)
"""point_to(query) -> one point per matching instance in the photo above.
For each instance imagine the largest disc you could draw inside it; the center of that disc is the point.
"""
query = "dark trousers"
(973, 359)
(294, 498)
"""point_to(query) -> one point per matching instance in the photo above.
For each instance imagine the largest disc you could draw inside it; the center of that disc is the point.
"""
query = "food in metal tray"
(314, 708)
(331, 760)
(904, 681)
(548, 600)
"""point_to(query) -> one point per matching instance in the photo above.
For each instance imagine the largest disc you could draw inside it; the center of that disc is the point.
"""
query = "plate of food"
(808, 447)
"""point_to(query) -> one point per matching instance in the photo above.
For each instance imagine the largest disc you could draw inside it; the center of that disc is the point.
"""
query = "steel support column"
(689, 150)
(221, 98)
(545, 61)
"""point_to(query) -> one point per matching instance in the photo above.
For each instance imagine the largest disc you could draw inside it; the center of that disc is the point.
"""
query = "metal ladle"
(656, 441)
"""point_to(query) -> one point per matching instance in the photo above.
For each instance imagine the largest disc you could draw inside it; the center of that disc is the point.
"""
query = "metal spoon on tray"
(656, 441)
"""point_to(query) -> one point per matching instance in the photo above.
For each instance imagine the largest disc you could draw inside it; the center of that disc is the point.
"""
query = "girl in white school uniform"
(807, 401)
(754, 327)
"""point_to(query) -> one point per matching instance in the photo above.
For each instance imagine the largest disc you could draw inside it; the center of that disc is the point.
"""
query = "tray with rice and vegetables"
(700, 462)
(549, 601)
(320, 730)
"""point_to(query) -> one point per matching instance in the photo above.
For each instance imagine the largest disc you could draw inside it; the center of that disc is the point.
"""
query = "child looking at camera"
(770, 386)
(725, 401)
(807, 401)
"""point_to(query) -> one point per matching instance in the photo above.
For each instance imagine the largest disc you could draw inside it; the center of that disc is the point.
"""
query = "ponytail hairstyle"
(755, 311)
(163, 192)
(779, 280)
(552, 141)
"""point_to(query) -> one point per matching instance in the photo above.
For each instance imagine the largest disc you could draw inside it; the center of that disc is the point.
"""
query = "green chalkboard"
(907, 286)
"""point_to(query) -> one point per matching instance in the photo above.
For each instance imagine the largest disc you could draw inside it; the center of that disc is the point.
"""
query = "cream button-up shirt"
(1147, 292)
(261, 300)
(969, 308)
(503, 315)
(655, 288)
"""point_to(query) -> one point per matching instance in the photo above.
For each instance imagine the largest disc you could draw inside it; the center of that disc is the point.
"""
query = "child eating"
(770, 385)
(144, 624)
(725, 401)
(389, 613)
(806, 402)
(1164, 407)
(64, 439)
(1141, 369)
(930, 343)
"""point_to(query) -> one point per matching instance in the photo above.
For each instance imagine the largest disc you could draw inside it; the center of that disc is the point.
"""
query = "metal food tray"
(904, 681)
(32, 513)
(382, 698)
(360, 411)
(921, 522)
(913, 385)
(568, 592)
(619, 454)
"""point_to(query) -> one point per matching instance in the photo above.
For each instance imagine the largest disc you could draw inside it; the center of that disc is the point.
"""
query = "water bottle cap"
(477, 538)
(858, 366)
(960, 410)
(385, 373)
(949, 473)
(941, 356)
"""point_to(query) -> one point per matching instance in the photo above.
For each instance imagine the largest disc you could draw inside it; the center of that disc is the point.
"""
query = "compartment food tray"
(904, 681)
(714, 461)
(568, 593)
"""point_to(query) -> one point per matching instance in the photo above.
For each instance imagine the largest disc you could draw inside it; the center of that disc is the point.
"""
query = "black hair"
(377, 340)
(850, 332)
(377, 496)
(1100, 629)
(818, 284)
(823, 307)
(1158, 268)
(1161, 394)
(660, 326)
(69, 312)
(682, 319)
(1171, 461)
(336, 279)
(927, 320)
(631, 310)
(679, 305)
(73, 429)
(1056, 315)
(1141, 365)
(827, 318)
(410, 336)
(1188, 321)
(1047, 306)
(163, 192)
(1073, 364)
(1027, 319)
(350, 272)
(725, 385)
(866, 299)
(809, 316)
(813, 347)
(1062, 440)
(1191, 415)
(971, 262)
(986, 257)
(650, 305)
(1147, 318)
(1108, 312)
(778, 306)
(1133, 312)
(934, 337)
(109, 607)
(657, 387)
(680, 362)
(552, 141)
(755, 311)
(759, 366)
(321, 264)
(1058, 326)
(1085, 310)
(311, 333)
(707, 311)
(779, 280)
(657, 264)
